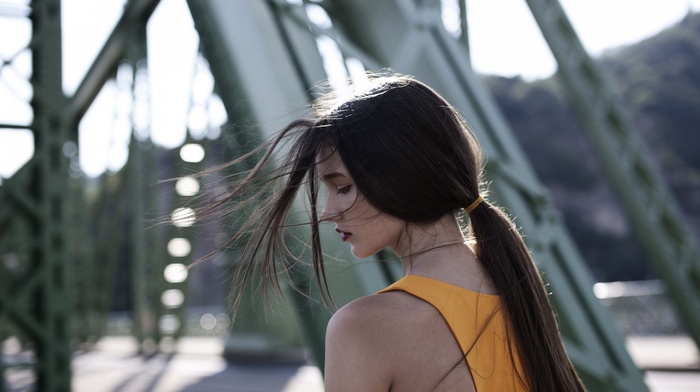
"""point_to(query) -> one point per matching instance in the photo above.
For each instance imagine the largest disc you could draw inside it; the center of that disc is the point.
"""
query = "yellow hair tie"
(468, 209)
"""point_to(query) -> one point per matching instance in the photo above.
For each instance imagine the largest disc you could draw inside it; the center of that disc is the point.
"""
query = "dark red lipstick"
(343, 234)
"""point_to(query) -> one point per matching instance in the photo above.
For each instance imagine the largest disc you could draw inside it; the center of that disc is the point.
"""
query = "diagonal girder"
(37, 300)
(135, 16)
(408, 36)
(645, 197)
(414, 41)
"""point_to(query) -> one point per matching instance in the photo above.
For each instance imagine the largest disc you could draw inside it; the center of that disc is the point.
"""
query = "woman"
(400, 167)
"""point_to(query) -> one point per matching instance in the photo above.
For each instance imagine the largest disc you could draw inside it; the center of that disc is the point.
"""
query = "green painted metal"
(16, 248)
(146, 273)
(36, 300)
(265, 58)
(108, 203)
(176, 314)
(93, 280)
(51, 294)
(409, 37)
(649, 203)
(146, 255)
(51, 300)
(156, 254)
(82, 266)
(135, 16)
(264, 78)
(263, 90)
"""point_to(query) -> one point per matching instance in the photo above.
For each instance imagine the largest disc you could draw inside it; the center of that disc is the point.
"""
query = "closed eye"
(344, 190)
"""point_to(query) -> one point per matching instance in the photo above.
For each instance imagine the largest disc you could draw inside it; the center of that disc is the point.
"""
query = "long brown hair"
(412, 156)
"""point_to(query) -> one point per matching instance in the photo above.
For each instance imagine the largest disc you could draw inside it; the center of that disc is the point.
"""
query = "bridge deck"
(672, 365)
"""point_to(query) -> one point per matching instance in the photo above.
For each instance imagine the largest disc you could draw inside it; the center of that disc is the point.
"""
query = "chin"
(359, 255)
(362, 253)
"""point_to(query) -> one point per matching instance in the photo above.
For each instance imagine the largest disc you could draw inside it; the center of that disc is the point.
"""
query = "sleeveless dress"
(478, 324)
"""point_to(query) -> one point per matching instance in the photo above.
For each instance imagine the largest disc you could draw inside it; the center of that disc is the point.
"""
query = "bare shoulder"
(363, 321)
(391, 341)
(378, 304)
(365, 341)
(382, 315)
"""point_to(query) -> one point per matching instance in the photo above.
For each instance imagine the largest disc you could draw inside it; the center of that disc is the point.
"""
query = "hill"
(658, 80)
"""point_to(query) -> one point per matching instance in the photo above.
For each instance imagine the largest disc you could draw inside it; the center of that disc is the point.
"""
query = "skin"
(394, 341)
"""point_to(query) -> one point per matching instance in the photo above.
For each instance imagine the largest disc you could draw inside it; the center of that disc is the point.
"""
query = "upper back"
(414, 336)
(392, 342)
(478, 324)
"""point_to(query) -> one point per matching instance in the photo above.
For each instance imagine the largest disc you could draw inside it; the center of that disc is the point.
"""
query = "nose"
(327, 215)
(330, 212)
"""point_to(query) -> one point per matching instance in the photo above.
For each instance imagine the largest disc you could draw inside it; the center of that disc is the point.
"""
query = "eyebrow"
(332, 175)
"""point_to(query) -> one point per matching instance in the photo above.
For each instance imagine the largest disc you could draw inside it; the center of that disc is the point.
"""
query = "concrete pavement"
(196, 365)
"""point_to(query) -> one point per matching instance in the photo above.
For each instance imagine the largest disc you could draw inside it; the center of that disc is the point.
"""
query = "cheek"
(382, 232)
(366, 210)
(372, 241)
(333, 204)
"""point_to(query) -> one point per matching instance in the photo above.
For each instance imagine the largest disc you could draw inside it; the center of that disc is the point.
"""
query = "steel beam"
(135, 15)
(409, 37)
(50, 302)
(649, 204)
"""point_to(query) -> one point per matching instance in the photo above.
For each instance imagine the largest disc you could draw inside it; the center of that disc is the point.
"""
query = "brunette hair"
(412, 156)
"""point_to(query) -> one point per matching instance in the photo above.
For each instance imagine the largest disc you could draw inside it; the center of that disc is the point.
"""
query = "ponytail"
(504, 255)
(412, 157)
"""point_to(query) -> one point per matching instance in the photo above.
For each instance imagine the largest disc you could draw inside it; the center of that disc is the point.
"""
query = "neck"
(440, 251)
(421, 244)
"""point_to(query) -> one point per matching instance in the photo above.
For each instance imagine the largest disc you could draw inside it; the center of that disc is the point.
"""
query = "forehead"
(328, 161)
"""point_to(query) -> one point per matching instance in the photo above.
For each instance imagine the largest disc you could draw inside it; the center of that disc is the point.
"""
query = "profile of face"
(365, 228)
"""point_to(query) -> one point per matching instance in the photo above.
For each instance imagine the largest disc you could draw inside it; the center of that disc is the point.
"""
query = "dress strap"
(464, 311)
(478, 324)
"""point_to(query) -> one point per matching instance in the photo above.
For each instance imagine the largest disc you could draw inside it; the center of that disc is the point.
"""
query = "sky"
(504, 40)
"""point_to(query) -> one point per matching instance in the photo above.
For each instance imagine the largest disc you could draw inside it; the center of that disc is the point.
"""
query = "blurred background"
(109, 110)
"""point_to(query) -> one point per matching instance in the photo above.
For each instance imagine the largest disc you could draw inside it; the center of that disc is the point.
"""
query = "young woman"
(399, 167)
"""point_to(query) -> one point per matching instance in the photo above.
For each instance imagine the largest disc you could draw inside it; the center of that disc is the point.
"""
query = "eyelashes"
(344, 190)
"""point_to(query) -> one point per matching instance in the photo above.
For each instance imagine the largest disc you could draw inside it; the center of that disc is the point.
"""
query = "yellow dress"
(478, 324)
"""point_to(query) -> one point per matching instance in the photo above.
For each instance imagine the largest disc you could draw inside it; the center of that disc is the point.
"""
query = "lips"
(344, 235)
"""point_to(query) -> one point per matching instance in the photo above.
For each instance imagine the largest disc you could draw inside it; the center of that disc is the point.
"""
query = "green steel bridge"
(67, 242)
